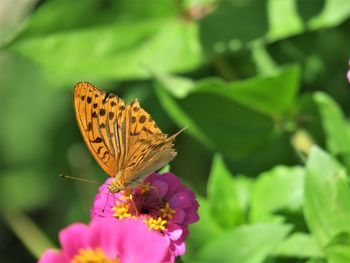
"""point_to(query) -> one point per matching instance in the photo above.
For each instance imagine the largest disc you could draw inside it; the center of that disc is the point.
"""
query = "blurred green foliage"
(260, 84)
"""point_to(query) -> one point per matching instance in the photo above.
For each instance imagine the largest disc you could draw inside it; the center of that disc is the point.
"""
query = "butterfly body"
(124, 139)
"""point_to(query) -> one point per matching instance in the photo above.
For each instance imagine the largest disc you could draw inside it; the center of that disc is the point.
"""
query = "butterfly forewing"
(91, 110)
(124, 139)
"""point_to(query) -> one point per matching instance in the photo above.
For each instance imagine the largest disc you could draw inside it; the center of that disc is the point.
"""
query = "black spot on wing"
(97, 140)
(102, 112)
(142, 119)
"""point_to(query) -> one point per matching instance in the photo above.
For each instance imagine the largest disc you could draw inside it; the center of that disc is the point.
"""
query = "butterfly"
(124, 139)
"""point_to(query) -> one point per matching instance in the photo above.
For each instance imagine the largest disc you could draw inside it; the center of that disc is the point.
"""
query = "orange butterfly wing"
(97, 116)
(148, 148)
(123, 139)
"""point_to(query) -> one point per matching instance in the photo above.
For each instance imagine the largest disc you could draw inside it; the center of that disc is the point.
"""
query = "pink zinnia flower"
(162, 202)
(128, 241)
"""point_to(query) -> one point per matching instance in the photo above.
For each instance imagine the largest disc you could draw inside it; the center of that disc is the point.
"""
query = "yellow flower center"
(156, 224)
(126, 195)
(121, 210)
(92, 256)
(167, 211)
(143, 204)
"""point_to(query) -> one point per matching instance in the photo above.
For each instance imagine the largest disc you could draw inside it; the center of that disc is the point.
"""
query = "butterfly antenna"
(79, 179)
(133, 204)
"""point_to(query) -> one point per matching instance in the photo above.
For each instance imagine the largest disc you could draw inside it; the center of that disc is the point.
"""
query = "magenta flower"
(128, 241)
(162, 202)
(348, 75)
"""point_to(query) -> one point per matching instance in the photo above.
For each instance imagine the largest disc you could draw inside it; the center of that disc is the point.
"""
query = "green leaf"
(338, 251)
(333, 13)
(179, 87)
(327, 195)
(206, 226)
(115, 46)
(284, 20)
(25, 189)
(240, 119)
(267, 21)
(334, 125)
(27, 231)
(245, 244)
(317, 260)
(309, 115)
(270, 95)
(31, 109)
(82, 15)
(298, 245)
(264, 63)
(165, 169)
(243, 185)
(287, 184)
(234, 13)
(224, 204)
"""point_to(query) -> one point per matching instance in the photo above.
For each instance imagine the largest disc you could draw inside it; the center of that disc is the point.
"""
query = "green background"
(261, 86)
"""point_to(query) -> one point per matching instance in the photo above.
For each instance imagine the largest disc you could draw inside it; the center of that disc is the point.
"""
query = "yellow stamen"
(167, 211)
(92, 255)
(125, 195)
(156, 224)
(121, 210)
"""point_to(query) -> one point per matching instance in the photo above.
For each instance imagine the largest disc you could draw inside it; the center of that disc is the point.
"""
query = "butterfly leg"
(133, 204)
(104, 207)
(114, 200)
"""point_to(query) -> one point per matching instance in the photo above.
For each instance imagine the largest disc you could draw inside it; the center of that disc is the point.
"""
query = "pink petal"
(178, 217)
(139, 244)
(152, 177)
(172, 181)
(180, 249)
(185, 233)
(190, 193)
(174, 231)
(169, 258)
(105, 233)
(180, 200)
(73, 238)
(161, 188)
(191, 216)
(52, 256)
(99, 208)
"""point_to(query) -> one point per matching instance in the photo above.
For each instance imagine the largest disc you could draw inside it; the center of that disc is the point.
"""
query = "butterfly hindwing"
(155, 159)
(149, 148)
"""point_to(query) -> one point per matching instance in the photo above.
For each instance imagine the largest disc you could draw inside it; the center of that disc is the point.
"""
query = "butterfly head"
(114, 187)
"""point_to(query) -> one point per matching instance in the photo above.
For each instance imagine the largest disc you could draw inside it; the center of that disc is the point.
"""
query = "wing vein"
(109, 138)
